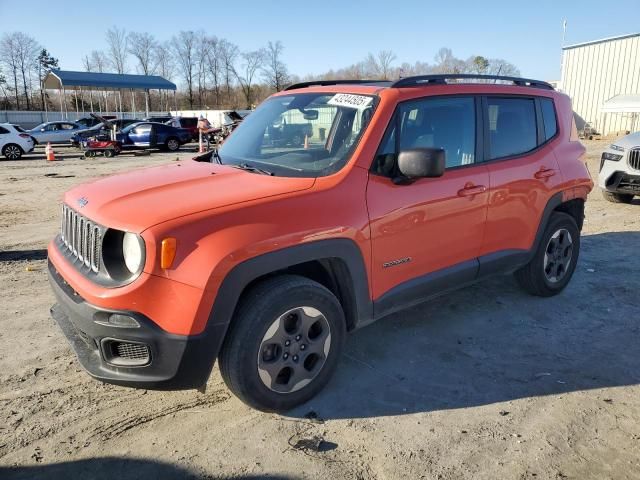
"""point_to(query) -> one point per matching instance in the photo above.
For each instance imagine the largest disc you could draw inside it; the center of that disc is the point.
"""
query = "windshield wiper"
(251, 168)
(216, 158)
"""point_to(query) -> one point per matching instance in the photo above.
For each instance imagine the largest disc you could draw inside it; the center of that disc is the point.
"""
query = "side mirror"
(42, 129)
(421, 162)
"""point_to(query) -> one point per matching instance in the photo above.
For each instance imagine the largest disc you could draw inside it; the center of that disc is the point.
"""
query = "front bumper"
(174, 362)
(622, 182)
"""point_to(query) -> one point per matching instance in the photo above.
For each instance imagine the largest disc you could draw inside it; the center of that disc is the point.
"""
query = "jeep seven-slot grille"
(81, 237)
(634, 158)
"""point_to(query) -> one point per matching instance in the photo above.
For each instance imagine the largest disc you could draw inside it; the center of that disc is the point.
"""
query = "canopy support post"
(75, 90)
(175, 102)
(133, 104)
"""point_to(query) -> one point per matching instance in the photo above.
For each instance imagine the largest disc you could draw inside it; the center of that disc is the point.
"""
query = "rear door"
(431, 228)
(523, 169)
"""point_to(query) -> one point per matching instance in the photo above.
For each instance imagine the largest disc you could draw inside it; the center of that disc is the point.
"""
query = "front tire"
(553, 264)
(617, 197)
(284, 343)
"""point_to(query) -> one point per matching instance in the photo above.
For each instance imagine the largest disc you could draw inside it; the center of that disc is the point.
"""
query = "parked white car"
(619, 176)
(55, 132)
(14, 141)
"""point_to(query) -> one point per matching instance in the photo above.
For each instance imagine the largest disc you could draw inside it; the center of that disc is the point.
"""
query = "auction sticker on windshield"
(350, 100)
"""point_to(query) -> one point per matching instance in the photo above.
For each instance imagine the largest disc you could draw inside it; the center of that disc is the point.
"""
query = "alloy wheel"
(558, 255)
(12, 152)
(294, 349)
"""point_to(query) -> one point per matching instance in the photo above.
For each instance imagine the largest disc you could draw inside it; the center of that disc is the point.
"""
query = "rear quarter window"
(549, 118)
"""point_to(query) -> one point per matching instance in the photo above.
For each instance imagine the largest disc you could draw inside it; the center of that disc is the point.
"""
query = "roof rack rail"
(420, 80)
(323, 83)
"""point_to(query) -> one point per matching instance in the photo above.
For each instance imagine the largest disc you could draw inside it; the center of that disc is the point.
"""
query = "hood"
(137, 200)
(630, 141)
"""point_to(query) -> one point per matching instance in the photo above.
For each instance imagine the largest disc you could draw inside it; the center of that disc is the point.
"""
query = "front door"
(432, 228)
(140, 136)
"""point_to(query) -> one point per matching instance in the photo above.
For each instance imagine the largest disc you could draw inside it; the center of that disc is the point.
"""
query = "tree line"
(211, 72)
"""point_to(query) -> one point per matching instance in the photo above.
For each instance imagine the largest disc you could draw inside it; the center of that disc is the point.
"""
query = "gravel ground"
(483, 383)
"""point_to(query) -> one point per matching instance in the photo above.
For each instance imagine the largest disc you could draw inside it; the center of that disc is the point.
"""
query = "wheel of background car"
(109, 153)
(173, 144)
(12, 152)
(87, 154)
(297, 140)
(617, 197)
(554, 262)
(283, 344)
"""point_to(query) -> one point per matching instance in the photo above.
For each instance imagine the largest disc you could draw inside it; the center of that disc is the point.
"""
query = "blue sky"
(323, 34)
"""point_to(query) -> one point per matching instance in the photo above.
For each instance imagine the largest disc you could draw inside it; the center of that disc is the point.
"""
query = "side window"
(67, 126)
(3, 131)
(512, 126)
(142, 129)
(447, 123)
(548, 118)
(52, 127)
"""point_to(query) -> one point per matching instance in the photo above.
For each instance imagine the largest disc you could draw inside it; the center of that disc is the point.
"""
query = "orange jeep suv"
(267, 255)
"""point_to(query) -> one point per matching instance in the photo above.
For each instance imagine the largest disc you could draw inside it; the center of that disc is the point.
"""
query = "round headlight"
(132, 252)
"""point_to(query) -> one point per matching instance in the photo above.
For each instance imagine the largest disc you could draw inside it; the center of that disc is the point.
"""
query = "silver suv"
(619, 176)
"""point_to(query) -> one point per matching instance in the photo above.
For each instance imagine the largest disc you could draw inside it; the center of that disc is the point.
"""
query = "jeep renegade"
(265, 257)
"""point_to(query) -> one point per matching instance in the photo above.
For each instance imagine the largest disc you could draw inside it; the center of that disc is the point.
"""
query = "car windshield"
(300, 135)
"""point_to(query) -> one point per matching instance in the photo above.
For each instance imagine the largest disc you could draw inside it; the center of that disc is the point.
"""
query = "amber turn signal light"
(167, 252)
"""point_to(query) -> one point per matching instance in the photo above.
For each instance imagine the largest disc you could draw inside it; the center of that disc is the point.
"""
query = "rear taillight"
(25, 135)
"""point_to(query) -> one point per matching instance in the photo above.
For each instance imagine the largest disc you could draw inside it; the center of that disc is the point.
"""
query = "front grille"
(634, 158)
(81, 237)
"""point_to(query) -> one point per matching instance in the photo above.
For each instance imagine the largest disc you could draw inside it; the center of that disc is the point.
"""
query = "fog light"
(119, 320)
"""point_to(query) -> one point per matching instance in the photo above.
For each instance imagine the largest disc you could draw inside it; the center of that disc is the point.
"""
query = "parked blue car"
(153, 135)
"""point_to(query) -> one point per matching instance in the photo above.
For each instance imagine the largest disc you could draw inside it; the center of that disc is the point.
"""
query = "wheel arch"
(337, 264)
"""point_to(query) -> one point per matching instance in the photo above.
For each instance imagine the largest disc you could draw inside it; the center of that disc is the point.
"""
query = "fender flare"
(243, 274)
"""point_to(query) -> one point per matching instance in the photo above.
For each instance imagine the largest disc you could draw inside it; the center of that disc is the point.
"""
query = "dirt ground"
(484, 383)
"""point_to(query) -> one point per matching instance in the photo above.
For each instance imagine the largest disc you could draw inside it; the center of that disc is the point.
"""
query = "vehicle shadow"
(493, 343)
(108, 468)
(17, 255)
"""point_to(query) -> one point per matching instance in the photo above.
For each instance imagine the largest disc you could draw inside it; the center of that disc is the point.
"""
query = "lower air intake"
(126, 354)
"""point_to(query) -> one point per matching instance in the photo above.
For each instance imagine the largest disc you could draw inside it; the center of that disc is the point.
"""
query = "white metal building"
(594, 72)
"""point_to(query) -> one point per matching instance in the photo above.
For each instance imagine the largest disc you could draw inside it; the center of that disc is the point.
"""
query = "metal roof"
(602, 40)
(56, 79)
(622, 104)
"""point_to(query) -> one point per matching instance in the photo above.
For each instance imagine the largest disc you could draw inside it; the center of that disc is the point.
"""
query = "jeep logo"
(82, 201)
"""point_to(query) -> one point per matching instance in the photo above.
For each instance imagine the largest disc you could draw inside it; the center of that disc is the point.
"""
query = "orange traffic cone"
(306, 142)
(49, 152)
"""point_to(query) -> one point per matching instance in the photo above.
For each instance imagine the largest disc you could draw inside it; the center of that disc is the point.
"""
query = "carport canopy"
(622, 104)
(62, 79)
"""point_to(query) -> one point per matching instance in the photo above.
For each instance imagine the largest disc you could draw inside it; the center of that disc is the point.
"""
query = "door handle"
(471, 189)
(545, 173)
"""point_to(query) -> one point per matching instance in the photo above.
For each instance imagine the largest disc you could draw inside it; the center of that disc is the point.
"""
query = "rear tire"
(284, 343)
(617, 197)
(109, 153)
(173, 145)
(553, 264)
(12, 151)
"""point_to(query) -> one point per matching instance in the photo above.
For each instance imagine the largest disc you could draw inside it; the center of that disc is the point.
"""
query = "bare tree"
(385, 61)
(142, 46)
(214, 65)
(9, 58)
(166, 66)
(229, 56)
(99, 61)
(117, 42)
(275, 71)
(202, 54)
(251, 63)
(184, 46)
